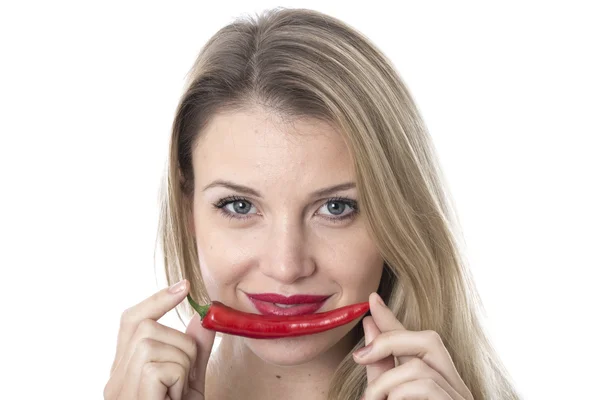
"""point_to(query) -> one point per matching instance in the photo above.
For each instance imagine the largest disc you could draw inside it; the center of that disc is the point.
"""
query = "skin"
(287, 244)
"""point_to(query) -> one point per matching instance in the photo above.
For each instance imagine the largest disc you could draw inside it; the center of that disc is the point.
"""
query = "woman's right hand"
(155, 362)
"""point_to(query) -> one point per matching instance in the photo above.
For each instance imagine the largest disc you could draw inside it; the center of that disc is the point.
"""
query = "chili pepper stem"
(202, 310)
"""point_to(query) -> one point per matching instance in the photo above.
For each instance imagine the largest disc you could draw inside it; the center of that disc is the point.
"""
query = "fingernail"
(178, 287)
(380, 300)
(193, 374)
(363, 352)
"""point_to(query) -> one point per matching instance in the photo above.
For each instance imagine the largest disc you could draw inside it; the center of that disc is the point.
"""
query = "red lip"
(306, 304)
(295, 299)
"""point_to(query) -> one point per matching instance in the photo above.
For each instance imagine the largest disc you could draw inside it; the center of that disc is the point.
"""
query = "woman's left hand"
(425, 369)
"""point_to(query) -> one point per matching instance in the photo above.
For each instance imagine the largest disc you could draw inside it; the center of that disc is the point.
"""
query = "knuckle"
(146, 347)
(430, 384)
(107, 394)
(191, 347)
(146, 328)
(182, 372)
(398, 393)
(415, 368)
(370, 392)
(181, 375)
(126, 317)
(151, 371)
(433, 337)
(186, 362)
(380, 340)
(416, 364)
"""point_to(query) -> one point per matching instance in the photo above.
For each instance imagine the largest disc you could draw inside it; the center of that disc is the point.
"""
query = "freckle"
(278, 376)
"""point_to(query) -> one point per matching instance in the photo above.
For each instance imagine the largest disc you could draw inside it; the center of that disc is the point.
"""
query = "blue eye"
(235, 207)
(339, 209)
(240, 206)
(336, 210)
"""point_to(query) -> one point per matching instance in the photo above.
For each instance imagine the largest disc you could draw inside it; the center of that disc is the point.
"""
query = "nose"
(287, 256)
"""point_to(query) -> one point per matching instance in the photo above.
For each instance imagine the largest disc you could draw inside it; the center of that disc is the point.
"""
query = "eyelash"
(220, 205)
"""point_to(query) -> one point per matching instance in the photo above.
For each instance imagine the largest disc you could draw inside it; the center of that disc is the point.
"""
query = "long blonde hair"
(302, 63)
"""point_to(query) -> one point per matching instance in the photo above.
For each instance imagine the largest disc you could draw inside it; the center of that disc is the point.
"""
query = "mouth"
(274, 304)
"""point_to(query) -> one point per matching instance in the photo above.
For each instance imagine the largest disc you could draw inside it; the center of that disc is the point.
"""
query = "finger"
(385, 319)
(150, 329)
(415, 369)
(160, 380)
(205, 340)
(377, 368)
(151, 351)
(423, 389)
(427, 345)
(154, 307)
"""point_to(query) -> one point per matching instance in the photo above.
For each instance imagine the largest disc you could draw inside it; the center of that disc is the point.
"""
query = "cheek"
(353, 260)
(223, 256)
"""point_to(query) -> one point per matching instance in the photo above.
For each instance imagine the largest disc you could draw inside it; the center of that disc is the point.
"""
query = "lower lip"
(267, 308)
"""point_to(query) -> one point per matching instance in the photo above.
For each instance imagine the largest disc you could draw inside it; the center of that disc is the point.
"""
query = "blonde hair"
(302, 63)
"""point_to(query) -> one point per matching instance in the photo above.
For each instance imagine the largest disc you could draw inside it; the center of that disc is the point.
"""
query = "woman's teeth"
(285, 305)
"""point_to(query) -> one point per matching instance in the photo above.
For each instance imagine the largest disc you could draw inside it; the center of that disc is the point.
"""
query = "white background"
(509, 91)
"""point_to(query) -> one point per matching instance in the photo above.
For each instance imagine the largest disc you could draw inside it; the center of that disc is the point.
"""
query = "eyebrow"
(249, 191)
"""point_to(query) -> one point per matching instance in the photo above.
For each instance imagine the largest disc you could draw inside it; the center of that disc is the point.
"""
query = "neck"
(235, 372)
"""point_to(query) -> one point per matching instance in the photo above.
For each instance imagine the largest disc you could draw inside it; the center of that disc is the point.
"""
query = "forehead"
(257, 147)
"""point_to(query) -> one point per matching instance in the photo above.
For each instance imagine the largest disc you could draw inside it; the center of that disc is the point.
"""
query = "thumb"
(375, 369)
(205, 339)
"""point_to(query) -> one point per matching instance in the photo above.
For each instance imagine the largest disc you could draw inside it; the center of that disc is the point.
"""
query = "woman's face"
(275, 212)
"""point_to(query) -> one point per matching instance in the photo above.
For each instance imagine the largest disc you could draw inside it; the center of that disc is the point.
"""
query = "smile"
(275, 304)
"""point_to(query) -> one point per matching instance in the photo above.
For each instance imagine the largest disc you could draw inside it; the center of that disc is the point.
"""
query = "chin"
(300, 349)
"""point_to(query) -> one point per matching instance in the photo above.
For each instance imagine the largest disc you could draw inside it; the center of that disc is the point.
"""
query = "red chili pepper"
(219, 317)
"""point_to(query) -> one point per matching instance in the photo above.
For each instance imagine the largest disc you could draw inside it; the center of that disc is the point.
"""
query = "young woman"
(302, 179)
